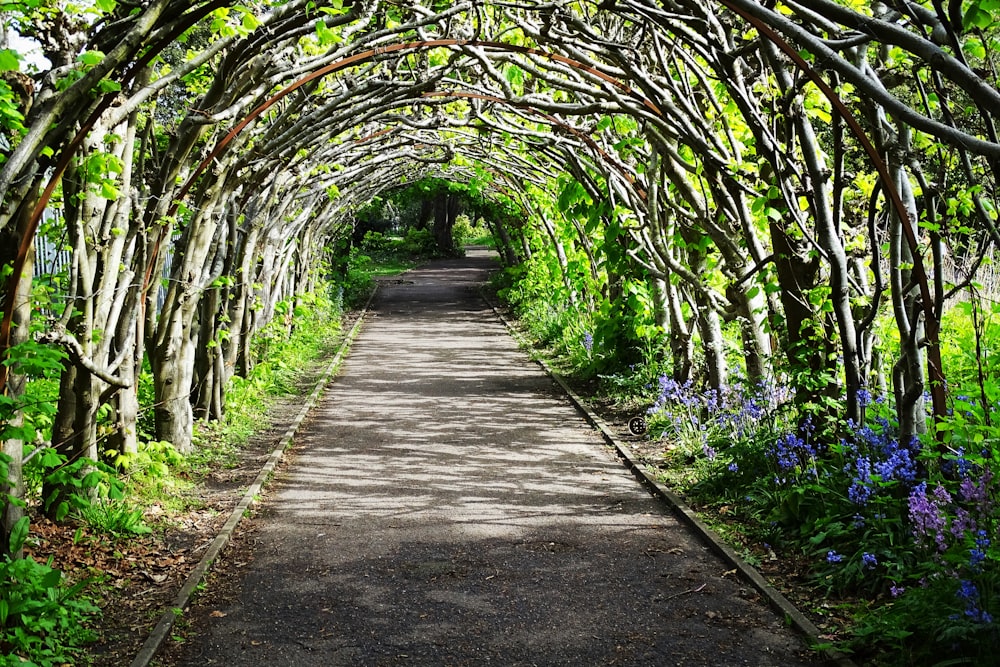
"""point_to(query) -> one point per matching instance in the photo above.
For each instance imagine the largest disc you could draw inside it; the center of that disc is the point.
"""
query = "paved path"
(445, 505)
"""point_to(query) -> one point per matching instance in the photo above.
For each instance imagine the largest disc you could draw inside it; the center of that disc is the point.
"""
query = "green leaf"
(250, 22)
(325, 35)
(52, 579)
(9, 59)
(90, 58)
(109, 191)
(19, 533)
(108, 86)
(106, 5)
(50, 458)
(977, 17)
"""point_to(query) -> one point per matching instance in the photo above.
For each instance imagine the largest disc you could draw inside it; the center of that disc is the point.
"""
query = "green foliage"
(301, 333)
(375, 243)
(113, 517)
(465, 233)
(75, 483)
(43, 620)
(419, 243)
(153, 459)
(358, 283)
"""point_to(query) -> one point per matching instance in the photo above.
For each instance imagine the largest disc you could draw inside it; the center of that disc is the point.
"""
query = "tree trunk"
(806, 347)
(10, 241)
(908, 376)
(173, 356)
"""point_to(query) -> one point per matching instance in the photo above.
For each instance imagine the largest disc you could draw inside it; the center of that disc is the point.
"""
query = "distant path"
(445, 505)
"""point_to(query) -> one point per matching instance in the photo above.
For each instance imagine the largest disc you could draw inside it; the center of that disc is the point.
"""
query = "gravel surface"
(446, 505)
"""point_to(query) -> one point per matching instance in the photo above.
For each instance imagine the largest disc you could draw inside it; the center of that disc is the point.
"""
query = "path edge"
(174, 611)
(682, 510)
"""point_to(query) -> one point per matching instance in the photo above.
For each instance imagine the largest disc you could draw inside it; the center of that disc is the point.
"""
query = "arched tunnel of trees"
(793, 203)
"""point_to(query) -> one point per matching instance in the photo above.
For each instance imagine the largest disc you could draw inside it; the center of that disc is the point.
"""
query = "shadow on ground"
(447, 506)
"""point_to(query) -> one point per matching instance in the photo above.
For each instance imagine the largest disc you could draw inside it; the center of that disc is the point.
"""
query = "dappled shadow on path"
(447, 506)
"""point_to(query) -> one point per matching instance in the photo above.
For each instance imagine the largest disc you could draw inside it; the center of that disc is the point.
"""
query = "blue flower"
(977, 554)
(833, 557)
(870, 560)
(968, 593)
(861, 489)
(864, 398)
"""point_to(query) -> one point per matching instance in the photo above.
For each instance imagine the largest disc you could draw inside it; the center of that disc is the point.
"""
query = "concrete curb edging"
(775, 599)
(174, 611)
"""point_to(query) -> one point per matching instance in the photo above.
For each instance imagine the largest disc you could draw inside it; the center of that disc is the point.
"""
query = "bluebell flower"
(833, 557)
(870, 560)
(927, 514)
(864, 398)
(861, 488)
(968, 593)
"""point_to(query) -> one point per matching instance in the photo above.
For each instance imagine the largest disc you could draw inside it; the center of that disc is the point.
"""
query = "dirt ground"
(446, 505)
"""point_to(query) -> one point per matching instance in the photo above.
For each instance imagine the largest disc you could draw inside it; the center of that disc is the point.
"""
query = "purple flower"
(833, 557)
(588, 341)
(963, 523)
(789, 452)
(977, 492)
(927, 514)
(896, 591)
(733, 467)
(870, 560)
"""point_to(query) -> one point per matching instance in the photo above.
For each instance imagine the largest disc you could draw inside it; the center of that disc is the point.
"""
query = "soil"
(482, 523)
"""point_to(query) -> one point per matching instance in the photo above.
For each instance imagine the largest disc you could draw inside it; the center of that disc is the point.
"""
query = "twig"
(690, 590)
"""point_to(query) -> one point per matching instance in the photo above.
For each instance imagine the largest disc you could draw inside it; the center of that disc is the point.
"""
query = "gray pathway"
(446, 506)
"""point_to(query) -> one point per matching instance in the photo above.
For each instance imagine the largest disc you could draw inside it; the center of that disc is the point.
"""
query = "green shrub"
(419, 242)
(43, 621)
(376, 243)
